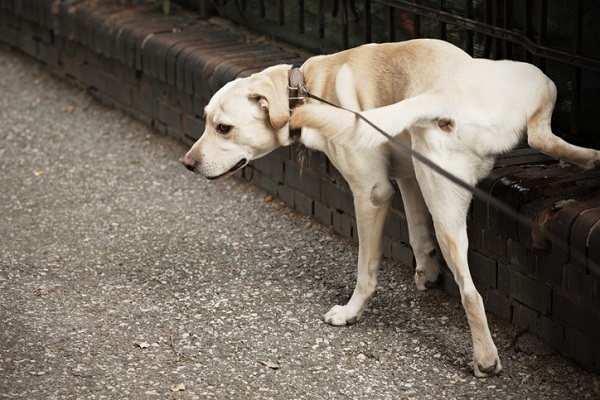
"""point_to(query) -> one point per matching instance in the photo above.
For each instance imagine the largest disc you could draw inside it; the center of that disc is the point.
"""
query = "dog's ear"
(277, 106)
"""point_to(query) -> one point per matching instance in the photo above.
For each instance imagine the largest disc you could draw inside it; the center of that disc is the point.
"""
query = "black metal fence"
(562, 37)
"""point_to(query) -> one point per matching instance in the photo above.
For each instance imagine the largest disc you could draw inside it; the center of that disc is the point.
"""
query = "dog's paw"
(591, 164)
(341, 315)
(483, 371)
(428, 276)
(594, 165)
(488, 365)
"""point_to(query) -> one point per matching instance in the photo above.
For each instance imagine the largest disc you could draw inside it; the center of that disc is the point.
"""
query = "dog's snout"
(189, 162)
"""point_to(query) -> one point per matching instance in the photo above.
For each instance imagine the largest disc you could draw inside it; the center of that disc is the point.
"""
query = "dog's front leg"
(371, 204)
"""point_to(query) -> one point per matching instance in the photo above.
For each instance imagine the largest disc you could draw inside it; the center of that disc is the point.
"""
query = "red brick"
(449, 284)
(521, 257)
(334, 196)
(93, 78)
(397, 203)
(302, 180)
(251, 57)
(479, 214)
(475, 234)
(266, 182)
(286, 194)
(7, 34)
(291, 175)
(548, 330)
(572, 313)
(316, 161)
(577, 282)
(272, 167)
(593, 261)
(584, 349)
(148, 26)
(195, 65)
(282, 152)
(303, 204)
(386, 248)
(561, 223)
(310, 184)
(525, 289)
(402, 253)
(393, 226)
(322, 213)
(483, 269)
(526, 156)
(335, 175)
(192, 127)
(494, 243)
(170, 116)
(580, 233)
(145, 104)
(498, 304)
(343, 224)
(48, 54)
(548, 268)
(154, 51)
(178, 54)
(119, 91)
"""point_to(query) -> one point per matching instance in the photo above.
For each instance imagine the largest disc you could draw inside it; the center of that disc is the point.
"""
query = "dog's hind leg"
(448, 205)
(540, 137)
(427, 271)
(454, 244)
(342, 128)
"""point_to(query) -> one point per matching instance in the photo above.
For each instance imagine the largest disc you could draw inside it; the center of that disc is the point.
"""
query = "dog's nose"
(189, 163)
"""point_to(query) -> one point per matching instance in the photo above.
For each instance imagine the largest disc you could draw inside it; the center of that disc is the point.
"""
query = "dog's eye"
(222, 128)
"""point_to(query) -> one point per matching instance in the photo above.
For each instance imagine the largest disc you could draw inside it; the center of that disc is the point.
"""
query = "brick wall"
(163, 70)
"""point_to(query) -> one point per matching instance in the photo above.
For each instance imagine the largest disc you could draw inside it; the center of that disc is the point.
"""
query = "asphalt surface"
(122, 275)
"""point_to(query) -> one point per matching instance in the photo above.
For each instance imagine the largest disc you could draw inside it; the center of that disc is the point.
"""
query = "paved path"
(122, 275)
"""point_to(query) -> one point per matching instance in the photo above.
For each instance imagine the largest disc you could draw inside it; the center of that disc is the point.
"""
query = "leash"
(478, 193)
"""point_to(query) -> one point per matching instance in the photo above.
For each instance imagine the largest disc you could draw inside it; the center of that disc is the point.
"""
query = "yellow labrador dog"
(459, 111)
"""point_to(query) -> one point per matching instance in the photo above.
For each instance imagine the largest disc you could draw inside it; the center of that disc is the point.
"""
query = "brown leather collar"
(296, 95)
(295, 87)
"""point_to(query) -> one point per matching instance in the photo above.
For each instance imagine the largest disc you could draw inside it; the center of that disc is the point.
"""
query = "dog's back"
(381, 74)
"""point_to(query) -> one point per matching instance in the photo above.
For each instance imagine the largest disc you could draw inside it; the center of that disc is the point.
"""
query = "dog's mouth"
(230, 172)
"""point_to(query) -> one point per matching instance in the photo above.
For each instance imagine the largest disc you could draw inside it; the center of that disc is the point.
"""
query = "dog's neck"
(296, 96)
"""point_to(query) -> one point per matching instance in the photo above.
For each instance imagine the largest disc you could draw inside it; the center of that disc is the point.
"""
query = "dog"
(459, 111)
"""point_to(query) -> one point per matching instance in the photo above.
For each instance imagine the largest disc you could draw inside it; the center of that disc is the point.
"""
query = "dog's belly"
(400, 162)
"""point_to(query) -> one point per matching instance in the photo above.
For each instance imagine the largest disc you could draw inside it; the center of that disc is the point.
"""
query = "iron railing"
(562, 37)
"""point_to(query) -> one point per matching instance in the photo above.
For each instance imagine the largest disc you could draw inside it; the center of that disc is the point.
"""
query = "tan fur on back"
(385, 73)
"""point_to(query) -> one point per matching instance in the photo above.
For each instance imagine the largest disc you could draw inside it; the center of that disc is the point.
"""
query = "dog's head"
(246, 119)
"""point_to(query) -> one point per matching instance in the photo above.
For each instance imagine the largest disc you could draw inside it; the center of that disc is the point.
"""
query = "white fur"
(458, 111)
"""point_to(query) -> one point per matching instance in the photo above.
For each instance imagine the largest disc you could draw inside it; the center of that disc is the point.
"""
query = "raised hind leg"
(540, 137)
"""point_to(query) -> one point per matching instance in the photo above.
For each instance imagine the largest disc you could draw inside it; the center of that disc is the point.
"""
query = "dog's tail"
(341, 126)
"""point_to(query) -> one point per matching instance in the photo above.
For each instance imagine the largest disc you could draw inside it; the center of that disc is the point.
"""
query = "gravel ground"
(122, 275)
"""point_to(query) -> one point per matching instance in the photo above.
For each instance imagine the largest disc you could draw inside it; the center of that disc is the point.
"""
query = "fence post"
(206, 8)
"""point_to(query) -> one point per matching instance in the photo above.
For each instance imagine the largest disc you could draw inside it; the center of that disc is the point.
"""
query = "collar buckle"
(295, 87)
